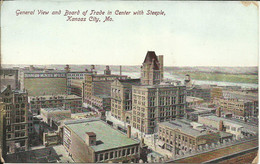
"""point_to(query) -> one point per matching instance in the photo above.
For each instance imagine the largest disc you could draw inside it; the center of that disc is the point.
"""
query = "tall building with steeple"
(152, 69)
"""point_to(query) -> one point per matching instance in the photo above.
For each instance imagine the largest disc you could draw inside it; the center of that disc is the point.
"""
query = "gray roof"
(245, 126)
(184, 127)
(107, 137)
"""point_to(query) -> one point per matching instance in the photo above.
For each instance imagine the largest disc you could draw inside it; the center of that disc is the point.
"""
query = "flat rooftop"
(55, 109)
(107, 137)
(245, 126)
(53, 97)
(184, 126)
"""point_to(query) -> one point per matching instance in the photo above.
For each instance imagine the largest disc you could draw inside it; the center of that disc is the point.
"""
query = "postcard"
(129, 81)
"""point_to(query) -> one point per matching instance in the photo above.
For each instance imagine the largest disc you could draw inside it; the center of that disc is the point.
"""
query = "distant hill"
(115, 68)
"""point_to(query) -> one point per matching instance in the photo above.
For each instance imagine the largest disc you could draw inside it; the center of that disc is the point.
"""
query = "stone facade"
(154, 104)
(121, 98)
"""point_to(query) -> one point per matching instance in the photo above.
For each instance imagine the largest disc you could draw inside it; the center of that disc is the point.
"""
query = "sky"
(190, 34)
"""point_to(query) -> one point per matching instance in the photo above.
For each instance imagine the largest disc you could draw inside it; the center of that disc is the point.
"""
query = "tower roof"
(151, 58)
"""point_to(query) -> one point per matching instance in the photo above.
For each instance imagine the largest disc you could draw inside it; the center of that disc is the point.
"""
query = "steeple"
(151, 70)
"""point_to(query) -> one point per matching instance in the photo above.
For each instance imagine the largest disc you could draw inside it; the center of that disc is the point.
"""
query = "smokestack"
(161, 65)
(120, 70)
(129, 131)
(221, 125)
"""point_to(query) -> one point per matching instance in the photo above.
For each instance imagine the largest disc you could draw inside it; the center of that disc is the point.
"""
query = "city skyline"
(216, 34)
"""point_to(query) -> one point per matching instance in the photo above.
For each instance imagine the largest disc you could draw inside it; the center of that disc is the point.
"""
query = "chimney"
(161, 65)
(221, 125)
(91, 138)
(120, 70)
(218, 112)
(129, 131)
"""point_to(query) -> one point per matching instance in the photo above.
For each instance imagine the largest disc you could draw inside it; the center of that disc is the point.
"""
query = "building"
(101, 102)
(193, 101)
(152, 69)
(52, 101)
(77, 87)
(9, 76)
(216, 93)
(98, 84)
(74, 75)
(47, 114)
(184, 136)
(2, 131)
(239, 129)
(16, 108)
(94, 141)
(40, 83)
(200, 92)
(238, 108)
(154, 101)
(193, 113)
(121, 98)
(157, 103)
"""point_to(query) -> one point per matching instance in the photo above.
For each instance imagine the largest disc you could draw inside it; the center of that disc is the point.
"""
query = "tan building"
(154, 104)
(94, 141)
(238, 129)
(193, 101)
(16, 108)
(179, 135)
(154, 101)
(50, 101)
(238, 108)
(121, 98)
(99, 84)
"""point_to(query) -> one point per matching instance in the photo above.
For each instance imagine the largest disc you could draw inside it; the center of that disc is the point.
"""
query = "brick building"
(53, 101)
(179, 135)
(92, 140)
(16, 109)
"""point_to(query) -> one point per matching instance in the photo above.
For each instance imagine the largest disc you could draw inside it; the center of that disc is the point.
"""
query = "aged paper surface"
(129, 81)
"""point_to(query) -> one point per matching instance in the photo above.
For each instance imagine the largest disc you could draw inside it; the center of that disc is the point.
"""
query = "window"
(133, 150)
(101, 157)
(8, 136)
(17, 127)
(111, 154)
(115, 154)
(16, 134)
(123, 153)
(106, 156)
(128, 151)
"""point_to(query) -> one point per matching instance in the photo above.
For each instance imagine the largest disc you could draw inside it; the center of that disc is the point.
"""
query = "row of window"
(116, 154)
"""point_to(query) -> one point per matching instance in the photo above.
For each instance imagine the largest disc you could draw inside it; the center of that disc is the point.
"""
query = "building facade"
(40, 83)
(98, 84)
(16, 108)
(238, 108)
(121, 98)
(154, 104)
(50, 101)
(179, 136)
